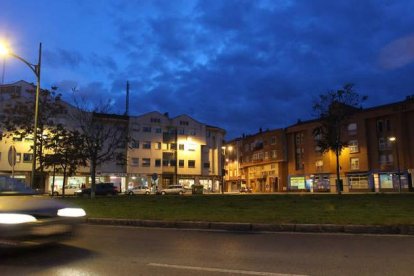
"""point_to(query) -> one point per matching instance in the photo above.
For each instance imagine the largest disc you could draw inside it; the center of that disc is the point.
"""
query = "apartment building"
(159, 150)
(379, 156)
(257, 162)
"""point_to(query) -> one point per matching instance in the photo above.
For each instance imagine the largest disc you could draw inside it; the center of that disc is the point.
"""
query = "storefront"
(360, 182)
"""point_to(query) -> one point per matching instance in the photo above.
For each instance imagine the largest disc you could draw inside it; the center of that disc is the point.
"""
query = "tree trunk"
(93, 172)
(338, 176)
(64, 181)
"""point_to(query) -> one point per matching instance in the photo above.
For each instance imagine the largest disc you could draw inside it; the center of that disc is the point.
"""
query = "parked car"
(69, 190)
(27, 219)
(138, 190)
(245, 190)
(172, 190)
(100, 189)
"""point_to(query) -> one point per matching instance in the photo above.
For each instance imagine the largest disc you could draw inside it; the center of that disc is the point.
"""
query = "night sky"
(239, 65)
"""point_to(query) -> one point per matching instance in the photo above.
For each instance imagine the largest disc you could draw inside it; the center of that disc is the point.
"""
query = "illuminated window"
(354, 163)
(191, 147)
(353, 146)
(157, 145)
(319, 165)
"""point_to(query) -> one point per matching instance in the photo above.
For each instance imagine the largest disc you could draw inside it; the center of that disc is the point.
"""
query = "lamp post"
(36, 70)
(223, 171)
(394, 140)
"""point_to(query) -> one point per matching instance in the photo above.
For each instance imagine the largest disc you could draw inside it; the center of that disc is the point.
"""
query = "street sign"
(12, 156)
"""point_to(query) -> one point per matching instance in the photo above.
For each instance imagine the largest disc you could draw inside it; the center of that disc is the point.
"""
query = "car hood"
(34, 205)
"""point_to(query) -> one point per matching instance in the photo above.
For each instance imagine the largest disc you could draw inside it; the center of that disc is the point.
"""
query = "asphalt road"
(112, 250)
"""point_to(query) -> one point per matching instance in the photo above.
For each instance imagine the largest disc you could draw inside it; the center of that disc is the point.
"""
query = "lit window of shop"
(146, 162)
(191, 163)
(146, 145)
(135, 161)
(354, 163)
(353, 146)
(358, 182)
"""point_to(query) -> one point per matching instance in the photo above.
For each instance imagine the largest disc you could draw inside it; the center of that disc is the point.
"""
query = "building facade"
(379, 156)
(159, 150)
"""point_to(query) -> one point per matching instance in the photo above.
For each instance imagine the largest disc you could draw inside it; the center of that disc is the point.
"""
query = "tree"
(105, 136)
(68, 152)
(19, 112)
(334, 110)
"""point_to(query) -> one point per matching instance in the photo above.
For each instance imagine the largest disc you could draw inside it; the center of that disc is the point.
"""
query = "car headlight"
(16, 218)
(71, 212)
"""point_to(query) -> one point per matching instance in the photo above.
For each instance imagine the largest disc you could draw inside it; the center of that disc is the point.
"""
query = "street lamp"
(394, 140)
(36, 70)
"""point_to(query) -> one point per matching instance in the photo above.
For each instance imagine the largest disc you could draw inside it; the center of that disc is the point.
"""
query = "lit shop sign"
(297, 182)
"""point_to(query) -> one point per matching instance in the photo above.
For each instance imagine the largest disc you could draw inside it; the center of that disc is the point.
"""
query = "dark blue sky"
(239, 65)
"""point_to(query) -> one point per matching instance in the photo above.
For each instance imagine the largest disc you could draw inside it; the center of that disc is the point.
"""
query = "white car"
(172, 190)
(70, 189)
(139, 190)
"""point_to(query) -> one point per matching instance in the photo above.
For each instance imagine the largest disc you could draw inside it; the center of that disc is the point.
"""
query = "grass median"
(364, 209)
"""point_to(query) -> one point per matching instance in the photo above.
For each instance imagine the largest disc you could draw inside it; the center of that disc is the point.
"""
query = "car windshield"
(11, 186)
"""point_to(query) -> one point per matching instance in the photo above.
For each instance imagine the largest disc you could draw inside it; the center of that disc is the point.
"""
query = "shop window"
(353, 146)
(354, 163)
(358, 182)
(191, 163)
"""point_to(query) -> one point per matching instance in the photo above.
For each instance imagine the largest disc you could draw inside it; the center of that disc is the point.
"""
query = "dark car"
(28, 219)
(100, 189)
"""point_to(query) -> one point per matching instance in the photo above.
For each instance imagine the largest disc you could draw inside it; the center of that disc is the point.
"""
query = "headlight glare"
(16, 218)
(71, 212)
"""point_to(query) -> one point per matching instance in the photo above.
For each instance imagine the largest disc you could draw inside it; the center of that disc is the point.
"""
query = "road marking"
(212, 269)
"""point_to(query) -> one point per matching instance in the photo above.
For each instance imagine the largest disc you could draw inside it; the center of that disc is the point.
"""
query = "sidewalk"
(260, 227)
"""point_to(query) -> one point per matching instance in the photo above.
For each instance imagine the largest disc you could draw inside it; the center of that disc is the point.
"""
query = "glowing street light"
(36, 70)
(393, 139)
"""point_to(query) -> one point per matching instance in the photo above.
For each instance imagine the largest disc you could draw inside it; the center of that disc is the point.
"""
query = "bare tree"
(105, 136)
(334, 110)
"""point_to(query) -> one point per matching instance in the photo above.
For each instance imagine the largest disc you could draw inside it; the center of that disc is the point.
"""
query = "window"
(157, 162)
(18, 157)
(173, 146)
(191, 163)
(155, 120)
(191, 147)
(266, 155)
(273, 140)
(158, 130)
(192, 132)
(352, 129)
(146, 145)
(382, 143)
(354, 163)
(135, 161)
(181, 163)
(27, 157)
(380, 126)
(183, 123)
(135, 144)
(157, 145)
(146, 162)
(181, 131)
(146, 129)
(274, 154)
(353, 146)
(319, 165)
(181, 146)
(206, 165)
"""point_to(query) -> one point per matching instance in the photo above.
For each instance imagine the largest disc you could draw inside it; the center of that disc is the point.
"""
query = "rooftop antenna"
(127, 99)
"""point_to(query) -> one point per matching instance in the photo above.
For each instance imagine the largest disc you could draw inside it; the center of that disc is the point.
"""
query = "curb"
(260, 227)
